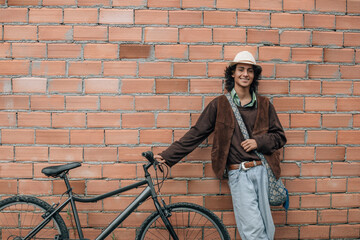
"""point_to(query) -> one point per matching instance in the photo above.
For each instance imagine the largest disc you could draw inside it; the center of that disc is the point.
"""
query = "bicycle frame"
(145, 194)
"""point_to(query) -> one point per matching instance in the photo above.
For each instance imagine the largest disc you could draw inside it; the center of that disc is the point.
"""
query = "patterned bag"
(278, 194)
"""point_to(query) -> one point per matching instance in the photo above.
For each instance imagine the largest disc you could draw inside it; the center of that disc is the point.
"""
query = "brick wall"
(101, 81)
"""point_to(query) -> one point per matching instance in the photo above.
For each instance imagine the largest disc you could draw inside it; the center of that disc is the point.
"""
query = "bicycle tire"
(20, 214)
(190, 221)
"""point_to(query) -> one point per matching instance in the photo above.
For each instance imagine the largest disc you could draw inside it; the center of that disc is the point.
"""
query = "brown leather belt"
(244, 165)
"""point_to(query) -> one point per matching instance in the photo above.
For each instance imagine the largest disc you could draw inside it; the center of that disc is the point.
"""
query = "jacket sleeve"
(275, 138)
(197, 134)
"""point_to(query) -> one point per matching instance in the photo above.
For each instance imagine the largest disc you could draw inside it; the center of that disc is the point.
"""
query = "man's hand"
(249, 145)
(160, 159)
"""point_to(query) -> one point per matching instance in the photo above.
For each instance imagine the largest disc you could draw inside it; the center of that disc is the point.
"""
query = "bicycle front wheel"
(190, 221)
(20, 214)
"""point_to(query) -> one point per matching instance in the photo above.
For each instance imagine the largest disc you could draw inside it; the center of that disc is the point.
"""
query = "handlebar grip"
(149, 156)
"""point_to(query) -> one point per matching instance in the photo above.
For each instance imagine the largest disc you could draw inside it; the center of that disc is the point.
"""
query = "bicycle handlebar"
(149, 156)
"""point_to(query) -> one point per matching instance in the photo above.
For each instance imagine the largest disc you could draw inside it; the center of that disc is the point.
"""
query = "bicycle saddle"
(55, 171)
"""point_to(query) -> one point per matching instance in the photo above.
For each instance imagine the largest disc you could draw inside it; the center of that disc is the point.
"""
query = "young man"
(247, 176)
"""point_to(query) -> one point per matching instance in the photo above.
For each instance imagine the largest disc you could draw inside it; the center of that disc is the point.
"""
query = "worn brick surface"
(101, 81)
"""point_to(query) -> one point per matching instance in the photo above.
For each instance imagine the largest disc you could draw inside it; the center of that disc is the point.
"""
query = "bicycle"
(27, 217)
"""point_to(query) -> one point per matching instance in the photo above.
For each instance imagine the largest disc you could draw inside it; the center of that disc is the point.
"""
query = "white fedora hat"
(243, 57)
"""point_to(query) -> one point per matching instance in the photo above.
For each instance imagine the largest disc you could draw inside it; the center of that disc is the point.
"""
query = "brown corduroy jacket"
(224, 129)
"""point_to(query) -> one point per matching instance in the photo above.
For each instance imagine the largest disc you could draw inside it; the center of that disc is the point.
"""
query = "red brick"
(348, 137)
(80, 15)
(354, 215)
(11, 170)
(58, 2)
(115, 137)
(160, 3)
(45, 15)
(33, 154)
(350, 72)
(336, 120)
(266, 5)
(55, 33)
(305, 87)
(62, 50)
(187, 170)
(294, 5)
(82, 102)
(286, 20)
(81, 137)
(229, 35)
(263, 36)
(232, 4)
(324, 71)
(197, 4)
(299, 153)
(331, 6)
(146, 103)
(193, 35)
(319, 21)
(138, 120)
(353, 6)
(295, 137)
(14, 67)
(274, 53)
(5, 51)
(330, 153)
(120, 3)
(321, 137)
(67, 85)
(104, 51)
(205, 86)
(315, 201)
(101, 85)
(175, 120)
(216, 69)
(13, 15)
(106, 154)
(345, 200)
(155, 69)
(25, 50)
(205, 52)
(289, 103)
(86, 171)
(290, 70)
(161, 34)
(219, 18)
(34, 119)
(86, 33)
(171, 85)
(49, 102)
(52, 136)
(314, 231)
(155, 136)
(29, 85)
(128, 154)
(301, 217)
(218, 202)
(346, 169)
(11, 102)
(48, 68)
(286, 232)
(135, 51)
(189, 69)
(17, 136)
(290, 170)
(345, 231)
(319, 104)
(307, 54)
(356, 88)
(137, 85)
(8, 119)
(352, 153)
(115, 103)
(338, 55)
(295, 37)
(331, 185)
(204, 186)
(125, 34)
(311, 120)
(151, 17)
(348, 104)
(120, 68)
(84, 68)
(171, 51)
(347, 22)
(59, 154)
(336, 87)
(351, 39)
(116, 16)
(185, 17)
(185, 103)
(253, 19)
(100, 120)
(68, 120)
(92, 3)
(20, 32)
(327, 38)
(8, 186)
(316, 170)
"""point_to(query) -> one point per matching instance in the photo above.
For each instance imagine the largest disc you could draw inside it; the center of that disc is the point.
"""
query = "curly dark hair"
(230, 83)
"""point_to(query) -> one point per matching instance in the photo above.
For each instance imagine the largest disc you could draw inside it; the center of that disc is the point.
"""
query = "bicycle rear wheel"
(20, 214)
(190, 221)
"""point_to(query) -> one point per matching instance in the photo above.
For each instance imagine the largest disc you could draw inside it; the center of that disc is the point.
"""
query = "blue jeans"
(249, 192)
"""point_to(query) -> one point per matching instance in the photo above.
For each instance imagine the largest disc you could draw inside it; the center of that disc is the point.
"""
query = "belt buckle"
(243, 166)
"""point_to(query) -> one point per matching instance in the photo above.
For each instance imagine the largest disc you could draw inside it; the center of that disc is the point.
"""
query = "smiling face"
(243, 76)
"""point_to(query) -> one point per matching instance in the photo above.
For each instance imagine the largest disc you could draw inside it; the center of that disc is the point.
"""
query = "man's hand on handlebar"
(160, 159)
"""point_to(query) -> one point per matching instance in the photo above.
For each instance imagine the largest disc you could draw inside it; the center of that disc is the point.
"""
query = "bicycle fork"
(164, 216)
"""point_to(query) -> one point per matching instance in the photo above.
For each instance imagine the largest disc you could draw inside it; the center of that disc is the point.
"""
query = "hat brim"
(246, 62)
